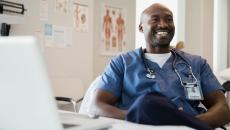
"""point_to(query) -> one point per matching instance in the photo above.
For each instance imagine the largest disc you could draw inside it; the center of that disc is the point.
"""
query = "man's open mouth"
(162, 33)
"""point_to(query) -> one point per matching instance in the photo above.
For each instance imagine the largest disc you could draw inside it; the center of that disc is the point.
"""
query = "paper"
(59, 36)
(44, 10)
(48, 33)
(80, 17)
(62, 36)
(68, 37)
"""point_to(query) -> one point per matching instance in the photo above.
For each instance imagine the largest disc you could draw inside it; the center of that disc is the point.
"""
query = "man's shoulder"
(190, 55)
(191, 58)
(131, 53)
(128, 56)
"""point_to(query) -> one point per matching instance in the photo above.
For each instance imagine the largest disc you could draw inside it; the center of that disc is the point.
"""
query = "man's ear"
(140, 27)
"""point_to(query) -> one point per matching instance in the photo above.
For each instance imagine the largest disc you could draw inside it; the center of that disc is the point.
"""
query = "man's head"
(157, 25)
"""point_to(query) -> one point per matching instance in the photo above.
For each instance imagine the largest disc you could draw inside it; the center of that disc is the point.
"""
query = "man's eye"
(154, 19)
(170, 19)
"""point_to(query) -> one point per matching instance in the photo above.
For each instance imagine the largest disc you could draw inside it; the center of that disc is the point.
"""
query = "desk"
(124, 125)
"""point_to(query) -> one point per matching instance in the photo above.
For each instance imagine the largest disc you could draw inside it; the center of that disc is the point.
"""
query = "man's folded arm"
(103, 105)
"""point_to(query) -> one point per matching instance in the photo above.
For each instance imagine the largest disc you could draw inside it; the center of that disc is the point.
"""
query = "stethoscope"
(151, 72)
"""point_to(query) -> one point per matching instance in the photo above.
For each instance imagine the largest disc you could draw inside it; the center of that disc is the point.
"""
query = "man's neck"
(157, 50)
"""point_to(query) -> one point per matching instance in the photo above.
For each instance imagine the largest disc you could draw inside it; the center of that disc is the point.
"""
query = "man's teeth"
(162, 33)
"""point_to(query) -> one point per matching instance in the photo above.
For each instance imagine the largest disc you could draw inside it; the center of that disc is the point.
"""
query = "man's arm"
(218, 113)
(103, 105)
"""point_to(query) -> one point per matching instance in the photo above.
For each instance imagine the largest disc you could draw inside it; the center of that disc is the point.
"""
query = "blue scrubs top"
(125, 78)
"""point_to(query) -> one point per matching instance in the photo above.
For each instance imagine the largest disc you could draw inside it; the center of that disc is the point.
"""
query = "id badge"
(193, 91)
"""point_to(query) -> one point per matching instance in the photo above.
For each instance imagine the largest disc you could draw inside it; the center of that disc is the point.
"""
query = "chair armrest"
(71, 100)
(66, 99)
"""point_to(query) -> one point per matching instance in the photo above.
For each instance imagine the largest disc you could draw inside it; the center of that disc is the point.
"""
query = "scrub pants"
(155, 109)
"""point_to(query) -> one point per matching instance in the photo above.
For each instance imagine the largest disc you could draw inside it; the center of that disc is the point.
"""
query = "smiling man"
(158, 85)
(158, 28)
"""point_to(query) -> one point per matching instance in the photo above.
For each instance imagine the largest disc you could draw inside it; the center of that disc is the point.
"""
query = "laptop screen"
(27, 102)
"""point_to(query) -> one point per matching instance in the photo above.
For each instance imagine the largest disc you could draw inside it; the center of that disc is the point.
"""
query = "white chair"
(87, 100)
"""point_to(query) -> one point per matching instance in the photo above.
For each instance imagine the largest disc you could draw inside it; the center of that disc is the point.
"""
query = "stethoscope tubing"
(176, 54)
(185, 62)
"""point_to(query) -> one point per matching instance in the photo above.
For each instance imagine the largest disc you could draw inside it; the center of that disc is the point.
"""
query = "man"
(160, 86)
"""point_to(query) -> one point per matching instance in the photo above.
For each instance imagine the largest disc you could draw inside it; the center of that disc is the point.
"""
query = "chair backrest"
(226, 85)
(87, 100)
(225, 74)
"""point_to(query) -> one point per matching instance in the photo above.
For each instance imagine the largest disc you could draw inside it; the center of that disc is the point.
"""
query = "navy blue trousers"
(155, 109)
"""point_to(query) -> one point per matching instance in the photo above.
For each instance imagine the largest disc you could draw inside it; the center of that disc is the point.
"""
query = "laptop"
(26, 98)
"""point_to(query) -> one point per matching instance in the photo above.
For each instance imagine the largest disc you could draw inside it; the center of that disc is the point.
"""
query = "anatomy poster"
(80, 17)
(61, 6)
(44, 5)
(113, 30)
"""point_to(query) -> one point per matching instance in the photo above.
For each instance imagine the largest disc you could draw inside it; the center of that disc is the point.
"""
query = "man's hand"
(218, 113)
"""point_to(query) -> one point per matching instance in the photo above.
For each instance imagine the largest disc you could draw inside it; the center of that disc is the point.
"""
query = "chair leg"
(74, 105)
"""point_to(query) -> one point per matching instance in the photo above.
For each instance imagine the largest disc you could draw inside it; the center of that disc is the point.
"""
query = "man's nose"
(162, 23)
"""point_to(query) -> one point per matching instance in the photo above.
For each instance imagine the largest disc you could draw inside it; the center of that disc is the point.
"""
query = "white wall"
(181, 20)
(220, 35)
(199, 28)
(228, 34)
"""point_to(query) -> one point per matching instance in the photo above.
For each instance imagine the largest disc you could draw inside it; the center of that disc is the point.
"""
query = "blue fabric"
(164, 113)
(125, 78)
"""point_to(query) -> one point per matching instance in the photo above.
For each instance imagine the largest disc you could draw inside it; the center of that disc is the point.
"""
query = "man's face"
(157, 26)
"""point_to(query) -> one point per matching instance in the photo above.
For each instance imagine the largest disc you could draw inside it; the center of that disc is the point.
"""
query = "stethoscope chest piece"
(150, 74)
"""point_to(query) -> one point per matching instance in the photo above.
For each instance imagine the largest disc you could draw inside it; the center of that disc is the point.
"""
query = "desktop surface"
(115, 124)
